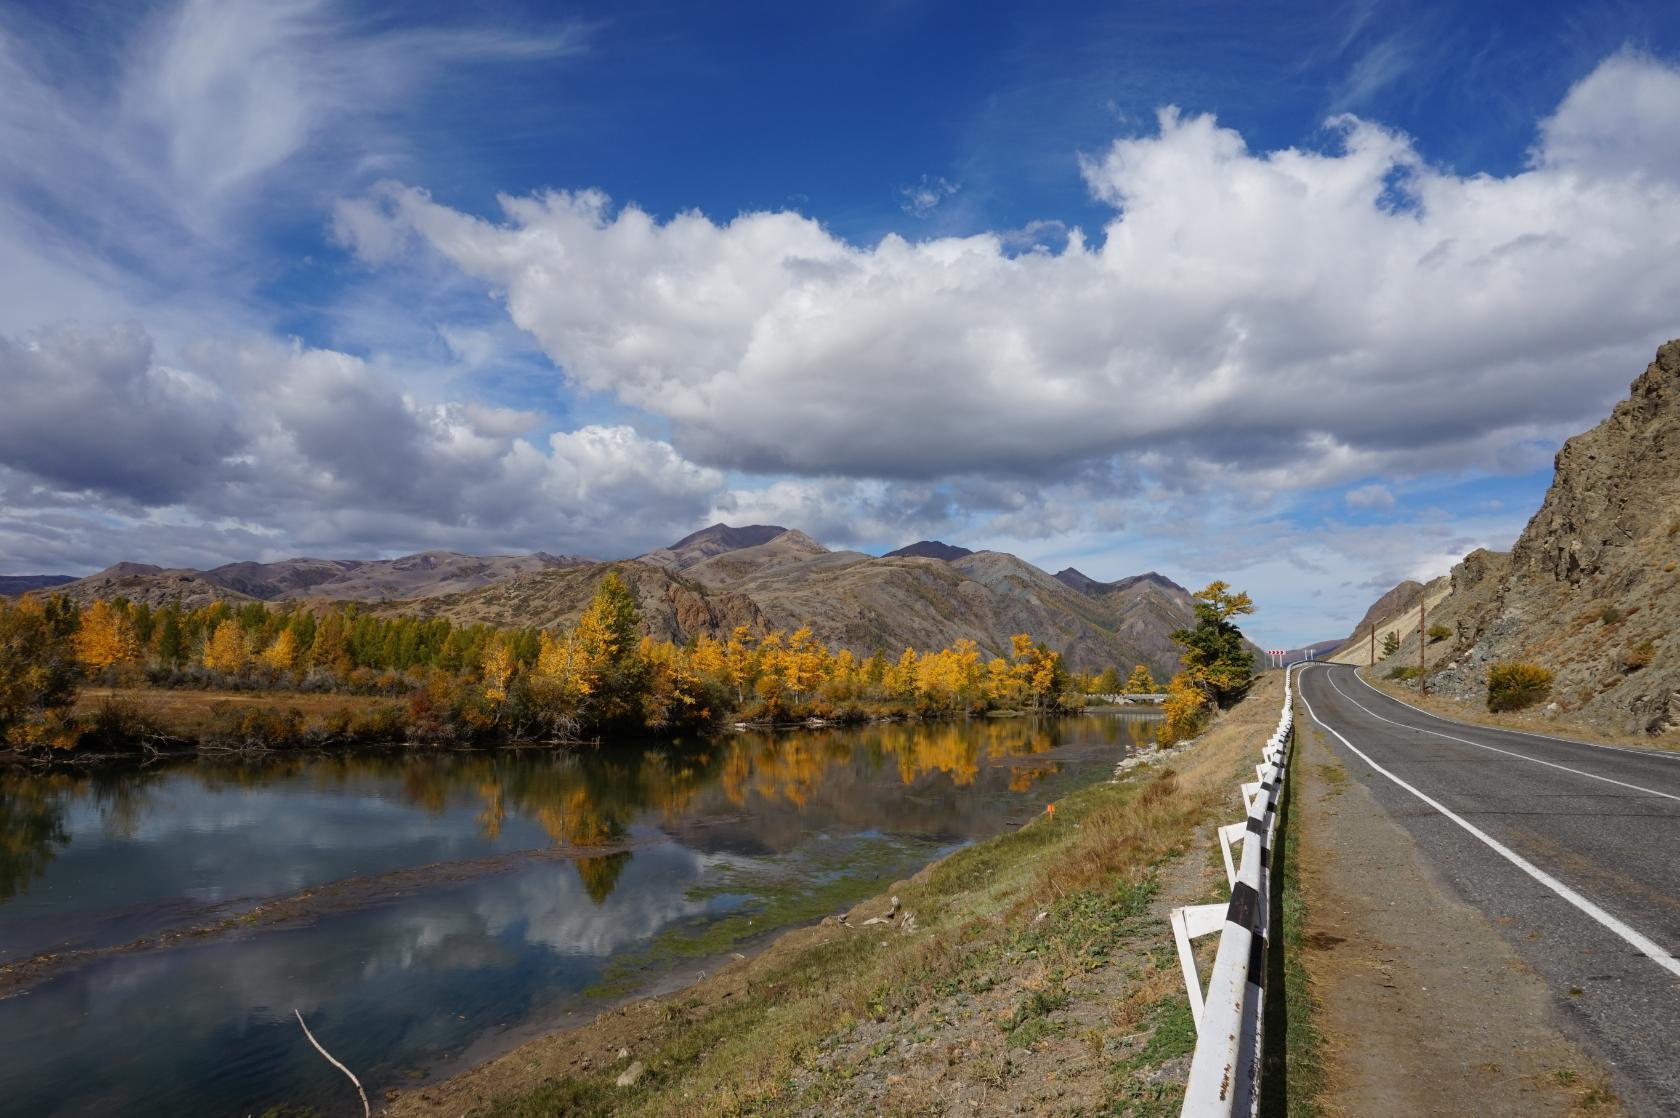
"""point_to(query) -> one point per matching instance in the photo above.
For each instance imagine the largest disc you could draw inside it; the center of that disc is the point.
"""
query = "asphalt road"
(1571, 849)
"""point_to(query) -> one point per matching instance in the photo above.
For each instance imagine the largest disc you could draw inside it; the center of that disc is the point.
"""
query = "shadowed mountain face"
(23, 584)
(360, 580)
(762, 576)
(929, 549)
(716, 540)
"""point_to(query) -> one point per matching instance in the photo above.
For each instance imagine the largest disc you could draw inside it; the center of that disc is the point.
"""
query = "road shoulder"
(1425, 1007)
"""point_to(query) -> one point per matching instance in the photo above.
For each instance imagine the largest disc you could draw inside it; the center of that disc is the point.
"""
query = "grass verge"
(1294, 1058)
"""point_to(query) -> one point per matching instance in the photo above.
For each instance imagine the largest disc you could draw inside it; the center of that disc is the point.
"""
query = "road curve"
(1571, 849)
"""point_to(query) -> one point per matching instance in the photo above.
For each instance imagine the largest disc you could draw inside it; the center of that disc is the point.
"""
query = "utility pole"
(1373, 644)
(1423, 642)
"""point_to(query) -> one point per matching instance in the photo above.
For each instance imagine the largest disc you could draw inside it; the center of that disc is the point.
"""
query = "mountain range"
(763, 576)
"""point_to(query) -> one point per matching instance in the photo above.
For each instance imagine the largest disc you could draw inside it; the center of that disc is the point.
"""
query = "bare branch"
(366, 1110)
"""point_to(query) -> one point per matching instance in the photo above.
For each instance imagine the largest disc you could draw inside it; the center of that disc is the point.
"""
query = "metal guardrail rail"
(1225, 1070)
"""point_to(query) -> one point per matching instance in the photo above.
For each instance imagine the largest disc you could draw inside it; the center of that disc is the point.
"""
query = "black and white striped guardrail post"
(1225, 1069)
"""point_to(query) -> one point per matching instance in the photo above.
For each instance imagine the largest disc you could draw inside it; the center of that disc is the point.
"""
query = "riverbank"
(121, 724)
(1033, 970)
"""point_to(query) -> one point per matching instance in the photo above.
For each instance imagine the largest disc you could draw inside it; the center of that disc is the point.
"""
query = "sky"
(1300, 296)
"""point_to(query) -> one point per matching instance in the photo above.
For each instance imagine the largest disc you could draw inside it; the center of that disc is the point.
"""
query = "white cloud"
(258, 446)
(1297, 317)
(921, 198)
(1373, 497)
(1620, 121)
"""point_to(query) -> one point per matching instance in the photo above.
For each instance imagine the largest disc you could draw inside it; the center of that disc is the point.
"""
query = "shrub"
(1391, 644)
(1409, 671)
(1513, 686)
(1439, 633)
(1610, 615)
(1639, 656)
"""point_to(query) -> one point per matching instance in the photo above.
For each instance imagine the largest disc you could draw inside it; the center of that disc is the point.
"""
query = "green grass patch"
(1293, 1075)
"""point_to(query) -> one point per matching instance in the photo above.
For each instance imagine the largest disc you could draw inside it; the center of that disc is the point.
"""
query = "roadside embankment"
(1033, 972)
(1534, 721)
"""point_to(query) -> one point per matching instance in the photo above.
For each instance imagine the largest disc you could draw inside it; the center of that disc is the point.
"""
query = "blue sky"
(1301, 296)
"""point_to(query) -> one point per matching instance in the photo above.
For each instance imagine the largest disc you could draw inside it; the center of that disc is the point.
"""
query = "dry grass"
(191, 713)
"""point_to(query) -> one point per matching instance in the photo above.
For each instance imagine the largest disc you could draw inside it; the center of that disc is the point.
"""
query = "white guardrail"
(1225, 1071)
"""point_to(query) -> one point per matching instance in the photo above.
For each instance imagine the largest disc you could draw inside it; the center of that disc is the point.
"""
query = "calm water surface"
(471, 899)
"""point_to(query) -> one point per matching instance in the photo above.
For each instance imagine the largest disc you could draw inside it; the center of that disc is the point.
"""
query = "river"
(426, 911)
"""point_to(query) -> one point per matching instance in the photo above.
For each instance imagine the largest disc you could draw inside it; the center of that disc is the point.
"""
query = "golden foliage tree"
(1140, 682)
(37, 678)
(225, 651)
(1185, 709)
(105, 639)
(282, 655)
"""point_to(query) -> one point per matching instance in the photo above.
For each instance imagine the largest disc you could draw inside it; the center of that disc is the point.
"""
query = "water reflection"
(600, 871)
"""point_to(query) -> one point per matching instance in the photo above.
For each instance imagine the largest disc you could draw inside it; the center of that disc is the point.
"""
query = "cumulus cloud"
(260, 445)
(93, 410)
(1378, 498)
(1310, 316)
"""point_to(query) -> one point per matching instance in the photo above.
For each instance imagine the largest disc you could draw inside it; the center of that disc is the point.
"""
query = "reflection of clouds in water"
(554, 908)
(393, 985)
(215, 844)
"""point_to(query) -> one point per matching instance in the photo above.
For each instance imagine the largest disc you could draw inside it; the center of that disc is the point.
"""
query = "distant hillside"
(23, 584)
(1591, 590)
(929, 549)
(1403, 596)
(360, 580)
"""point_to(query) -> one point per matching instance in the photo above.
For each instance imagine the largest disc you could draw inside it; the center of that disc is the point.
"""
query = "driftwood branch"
(366, 1110)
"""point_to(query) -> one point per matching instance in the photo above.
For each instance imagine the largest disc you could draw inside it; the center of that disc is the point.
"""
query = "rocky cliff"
(1591, 589)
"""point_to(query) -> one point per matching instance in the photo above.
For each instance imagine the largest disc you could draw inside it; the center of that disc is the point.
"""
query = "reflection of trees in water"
(33, 807)
(601, 874)
(586, 800)
(31, 832)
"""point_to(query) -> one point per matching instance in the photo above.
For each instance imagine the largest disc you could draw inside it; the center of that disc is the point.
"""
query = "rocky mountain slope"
(767, 577)
(1403, 597)
(1591, 590)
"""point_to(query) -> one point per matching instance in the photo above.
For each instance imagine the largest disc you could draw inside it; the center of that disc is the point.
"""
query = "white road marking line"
(1494, 749)
(1645, 946)
(1660, 754)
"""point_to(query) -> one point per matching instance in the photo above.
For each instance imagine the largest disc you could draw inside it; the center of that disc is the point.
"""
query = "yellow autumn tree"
(37, 678)
(1140, 682)
(1184, 710)
(225, 651)
(105, 640)
(740, 659)
(496, 671)
(282, 655)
